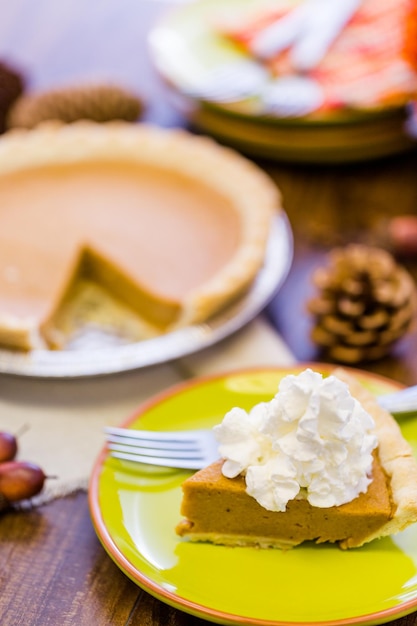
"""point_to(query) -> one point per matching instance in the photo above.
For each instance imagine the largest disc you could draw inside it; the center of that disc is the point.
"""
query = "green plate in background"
(185, 45)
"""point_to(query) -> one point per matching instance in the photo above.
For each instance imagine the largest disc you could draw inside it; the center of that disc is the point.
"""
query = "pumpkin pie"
(172, 225)
(218, 509)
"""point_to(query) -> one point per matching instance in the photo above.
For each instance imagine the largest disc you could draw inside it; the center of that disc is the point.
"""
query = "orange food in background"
(410, 36)
(371, 63)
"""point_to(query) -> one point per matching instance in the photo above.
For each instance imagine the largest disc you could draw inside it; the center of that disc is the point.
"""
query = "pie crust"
(396, 457)
(218, 509)
(117, 203)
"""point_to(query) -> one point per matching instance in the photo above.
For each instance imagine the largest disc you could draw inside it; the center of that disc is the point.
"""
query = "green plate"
(185, 45)
(136, 508)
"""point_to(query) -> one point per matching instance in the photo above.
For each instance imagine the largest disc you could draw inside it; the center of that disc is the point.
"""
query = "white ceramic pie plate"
(118, 358)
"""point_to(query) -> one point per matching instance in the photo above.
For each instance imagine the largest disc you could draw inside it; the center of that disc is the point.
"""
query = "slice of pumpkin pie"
(321, 462)
(172, 225)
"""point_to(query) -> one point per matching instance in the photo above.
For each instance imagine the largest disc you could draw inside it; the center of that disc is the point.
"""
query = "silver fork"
(182, 449)
(229, 82)
(286, 96)
(195, 449)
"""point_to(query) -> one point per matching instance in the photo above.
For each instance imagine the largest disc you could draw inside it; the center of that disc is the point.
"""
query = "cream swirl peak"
(313, 440)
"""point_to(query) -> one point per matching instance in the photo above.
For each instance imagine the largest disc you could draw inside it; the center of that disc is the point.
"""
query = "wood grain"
(54, 571)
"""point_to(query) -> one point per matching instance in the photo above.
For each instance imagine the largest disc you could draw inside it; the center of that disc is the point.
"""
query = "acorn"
(20, 480)
(365, 302)
(401, 235)
(8, 446)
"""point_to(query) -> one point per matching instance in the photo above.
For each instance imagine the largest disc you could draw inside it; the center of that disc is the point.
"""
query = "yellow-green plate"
(135, 510)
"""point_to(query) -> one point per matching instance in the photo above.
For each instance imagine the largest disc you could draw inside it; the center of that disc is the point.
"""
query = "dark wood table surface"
(53, 569)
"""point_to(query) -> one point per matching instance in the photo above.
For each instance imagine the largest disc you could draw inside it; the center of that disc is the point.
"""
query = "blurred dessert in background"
(410, 40)
(299, 80)
(357, 54)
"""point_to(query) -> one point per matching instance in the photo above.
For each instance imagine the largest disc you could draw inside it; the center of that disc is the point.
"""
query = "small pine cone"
(99, 103)
(365, 302)
(11, 87)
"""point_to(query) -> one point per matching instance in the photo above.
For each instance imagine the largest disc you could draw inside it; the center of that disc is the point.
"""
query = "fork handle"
(400, 402)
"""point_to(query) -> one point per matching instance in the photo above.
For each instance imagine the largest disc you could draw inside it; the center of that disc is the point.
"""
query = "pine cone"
(11, 87)
(99, 103)
(366, 301)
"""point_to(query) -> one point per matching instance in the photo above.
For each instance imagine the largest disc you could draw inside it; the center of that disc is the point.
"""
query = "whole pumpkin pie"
(218, 509)
(172, 225)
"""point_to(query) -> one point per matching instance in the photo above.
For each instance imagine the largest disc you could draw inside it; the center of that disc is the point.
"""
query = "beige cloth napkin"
(64, 419)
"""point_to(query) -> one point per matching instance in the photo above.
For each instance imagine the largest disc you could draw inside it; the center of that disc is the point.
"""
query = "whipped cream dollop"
(313, 440)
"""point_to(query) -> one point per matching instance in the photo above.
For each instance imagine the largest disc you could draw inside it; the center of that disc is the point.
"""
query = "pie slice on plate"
(218, 509)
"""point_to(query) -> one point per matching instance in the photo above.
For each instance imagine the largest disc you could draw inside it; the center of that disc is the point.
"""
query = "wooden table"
(53, 569)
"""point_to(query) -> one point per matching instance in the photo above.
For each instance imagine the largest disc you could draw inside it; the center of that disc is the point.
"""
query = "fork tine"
(179, 449)
(158, 452)
(156, 435)
(161, 462)
(153, 444)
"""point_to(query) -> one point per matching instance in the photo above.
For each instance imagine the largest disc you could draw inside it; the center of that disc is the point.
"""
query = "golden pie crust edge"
(252, 192)
(396, 458)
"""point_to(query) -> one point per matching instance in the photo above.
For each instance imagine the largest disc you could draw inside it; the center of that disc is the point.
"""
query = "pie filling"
(146, 230)
(218, 509)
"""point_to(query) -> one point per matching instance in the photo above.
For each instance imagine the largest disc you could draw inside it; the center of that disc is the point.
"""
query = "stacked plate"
(214, 82)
